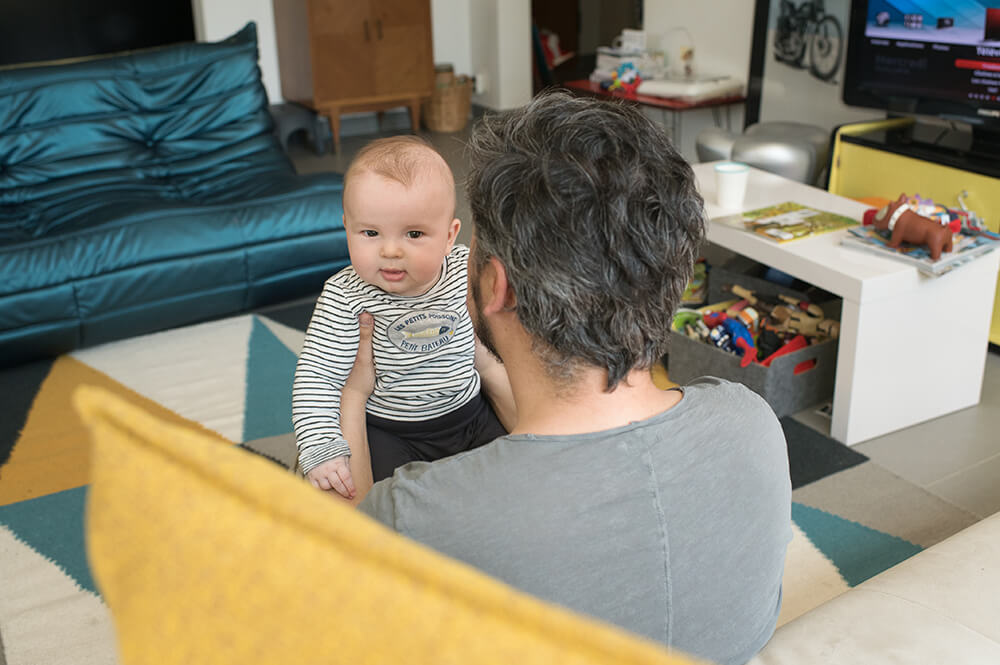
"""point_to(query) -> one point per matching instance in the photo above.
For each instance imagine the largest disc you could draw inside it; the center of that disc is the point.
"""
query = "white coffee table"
(911, 347)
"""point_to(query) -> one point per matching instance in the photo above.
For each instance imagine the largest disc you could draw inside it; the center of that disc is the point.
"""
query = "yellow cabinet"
(870, 160)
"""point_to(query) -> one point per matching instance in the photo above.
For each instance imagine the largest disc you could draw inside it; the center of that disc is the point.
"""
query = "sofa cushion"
(137, 116)
(939, 606)
(206, 552)
(146, 190)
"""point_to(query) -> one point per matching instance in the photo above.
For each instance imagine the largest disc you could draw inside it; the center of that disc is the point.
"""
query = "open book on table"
(792, 221)
(966, 245)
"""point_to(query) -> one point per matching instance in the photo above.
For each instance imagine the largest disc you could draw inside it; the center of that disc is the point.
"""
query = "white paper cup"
(731, 184)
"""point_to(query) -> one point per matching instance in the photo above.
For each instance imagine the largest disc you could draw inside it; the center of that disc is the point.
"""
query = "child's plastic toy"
(794, 344)
(690, 322)
(720, 338)
(684, 317)
(906, 225)
(694, 293)
(713, 319)
(626, 78)
(749, 317)
(740, 339)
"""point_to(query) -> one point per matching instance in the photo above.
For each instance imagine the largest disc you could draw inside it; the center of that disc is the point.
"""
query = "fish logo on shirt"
(423, 331)
(429, 332)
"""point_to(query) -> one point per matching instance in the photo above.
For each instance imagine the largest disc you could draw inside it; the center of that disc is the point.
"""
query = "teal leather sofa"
(146, 190)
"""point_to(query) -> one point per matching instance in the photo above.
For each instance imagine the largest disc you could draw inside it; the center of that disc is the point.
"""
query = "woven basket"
(448, 108)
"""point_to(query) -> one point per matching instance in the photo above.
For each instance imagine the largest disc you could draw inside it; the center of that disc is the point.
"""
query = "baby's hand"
(334, 475)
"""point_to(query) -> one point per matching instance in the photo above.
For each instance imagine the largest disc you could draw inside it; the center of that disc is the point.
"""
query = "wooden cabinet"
(342, 56)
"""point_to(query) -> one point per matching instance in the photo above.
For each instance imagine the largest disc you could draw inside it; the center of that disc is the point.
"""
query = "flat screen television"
(935, 58)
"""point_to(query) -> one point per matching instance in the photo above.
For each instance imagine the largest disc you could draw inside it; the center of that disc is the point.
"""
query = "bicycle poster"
(797, 63)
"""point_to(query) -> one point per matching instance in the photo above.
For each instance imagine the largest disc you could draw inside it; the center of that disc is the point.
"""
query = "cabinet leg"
(415, 115)
(334, 117)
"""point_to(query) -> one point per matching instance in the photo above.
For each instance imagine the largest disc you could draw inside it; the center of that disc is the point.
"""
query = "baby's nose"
(391, 249)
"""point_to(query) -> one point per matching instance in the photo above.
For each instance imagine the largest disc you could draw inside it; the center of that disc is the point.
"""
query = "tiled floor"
(956, 457)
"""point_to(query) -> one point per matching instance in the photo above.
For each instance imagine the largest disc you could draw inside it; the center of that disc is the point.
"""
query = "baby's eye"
(414, 234)
(370, 233)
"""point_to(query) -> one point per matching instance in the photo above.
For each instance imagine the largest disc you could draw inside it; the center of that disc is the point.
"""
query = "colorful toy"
(971, 222)
(720, 338)
(906, 225)
(697, 330)
(690, 322)
(749, 317)
(694, 293)
(626, 78)
(713, 319)
(794, 344)
(740, 339)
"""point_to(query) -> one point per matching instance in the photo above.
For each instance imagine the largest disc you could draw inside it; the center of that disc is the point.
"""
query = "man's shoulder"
(429, 485)
(466, 464)
(714, 389)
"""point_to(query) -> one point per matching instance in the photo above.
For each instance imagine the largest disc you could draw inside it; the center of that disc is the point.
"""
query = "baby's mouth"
(392, 275)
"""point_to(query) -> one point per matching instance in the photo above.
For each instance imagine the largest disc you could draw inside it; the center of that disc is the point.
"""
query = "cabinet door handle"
(378, 27)
(368, 36)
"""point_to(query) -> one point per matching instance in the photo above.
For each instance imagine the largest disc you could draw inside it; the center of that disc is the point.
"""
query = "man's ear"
(499, 295)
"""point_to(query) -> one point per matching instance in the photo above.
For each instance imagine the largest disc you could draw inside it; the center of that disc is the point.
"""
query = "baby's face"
(398, 236)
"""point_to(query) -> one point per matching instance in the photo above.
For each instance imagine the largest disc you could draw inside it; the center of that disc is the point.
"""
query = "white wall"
(450, 26)
(500, 42)
(722, 34)
(484, 44)
(217, 19)
(514, 53)
(721, 30)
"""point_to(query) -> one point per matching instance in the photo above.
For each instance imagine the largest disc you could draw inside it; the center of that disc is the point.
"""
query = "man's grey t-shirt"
(674, 527)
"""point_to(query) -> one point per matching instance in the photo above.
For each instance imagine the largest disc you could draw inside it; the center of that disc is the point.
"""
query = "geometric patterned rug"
(232, 380)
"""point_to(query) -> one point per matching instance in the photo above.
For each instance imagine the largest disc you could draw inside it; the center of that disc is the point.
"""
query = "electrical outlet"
(480, 84)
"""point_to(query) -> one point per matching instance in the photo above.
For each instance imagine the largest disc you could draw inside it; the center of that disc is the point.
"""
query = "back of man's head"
(597, 221)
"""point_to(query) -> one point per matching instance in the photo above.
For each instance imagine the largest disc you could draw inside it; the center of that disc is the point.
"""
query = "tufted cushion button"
(150, 143)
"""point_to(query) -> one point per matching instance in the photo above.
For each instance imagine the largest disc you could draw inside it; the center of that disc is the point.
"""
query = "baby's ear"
(453, 229)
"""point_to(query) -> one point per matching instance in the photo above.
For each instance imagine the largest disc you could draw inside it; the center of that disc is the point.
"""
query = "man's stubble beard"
(479, 324)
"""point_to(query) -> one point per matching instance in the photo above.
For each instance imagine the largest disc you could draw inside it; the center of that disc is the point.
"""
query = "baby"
(408, 273)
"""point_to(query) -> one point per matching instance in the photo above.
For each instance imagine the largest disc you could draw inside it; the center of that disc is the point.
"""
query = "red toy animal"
(905, 225)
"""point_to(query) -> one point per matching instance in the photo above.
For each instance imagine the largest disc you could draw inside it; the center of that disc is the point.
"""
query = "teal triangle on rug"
(52, 525)
(270, 371)
(858, 552)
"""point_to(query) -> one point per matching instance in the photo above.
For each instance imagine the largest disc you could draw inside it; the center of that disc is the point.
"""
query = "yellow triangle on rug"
(52, 453)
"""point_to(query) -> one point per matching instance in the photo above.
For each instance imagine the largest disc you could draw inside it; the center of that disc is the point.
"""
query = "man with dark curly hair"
(664, 512)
